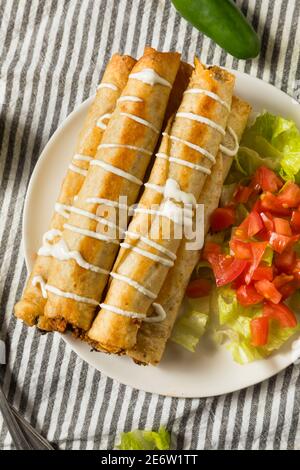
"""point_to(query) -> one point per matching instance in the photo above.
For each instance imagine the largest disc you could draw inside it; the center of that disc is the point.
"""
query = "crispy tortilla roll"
(31, 306)
(152, 337)
(194, 141)
(92, 237)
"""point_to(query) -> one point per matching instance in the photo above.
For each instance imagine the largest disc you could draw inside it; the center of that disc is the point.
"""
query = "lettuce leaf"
(145, 440)
(272, 141)
(235, 329)
(190, 327)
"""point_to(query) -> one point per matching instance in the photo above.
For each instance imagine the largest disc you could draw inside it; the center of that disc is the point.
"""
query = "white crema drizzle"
(90, 233)
(150, 77)
(147, 254)
(125, 146)
(202, 120)
(133, 99)
(134, 284)
(214, 96)
(102, 118)
(110, 86)
(142, 121)
(161, 314)
(54, 290)
(227, 151)
(60, 251)
(78, 170)
(195, 147)
(82, 158)
(117, 171)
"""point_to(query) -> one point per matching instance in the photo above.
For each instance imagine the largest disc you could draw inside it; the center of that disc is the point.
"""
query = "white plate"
(210, 371)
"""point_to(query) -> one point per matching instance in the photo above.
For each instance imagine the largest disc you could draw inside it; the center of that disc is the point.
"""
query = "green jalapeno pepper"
(222, 21)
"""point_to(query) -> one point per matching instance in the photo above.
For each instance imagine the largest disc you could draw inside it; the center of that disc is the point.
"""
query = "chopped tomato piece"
(268, 221)
(198, 288)
(263, 272)
(267, 179)
(259, 328)
(268, 290)
(252, 224)
(281, 242)
(282, 226)
(281, 280)
(286, 260)
(211, 248)
(296, 270)
(289, 196)
(269, 202)
(257, 206)
(281, 313)
(263, 235)
(240, 249)
(248, 295)
(258, 249)
(295, 221)
(221, 218)
(242, 194)
(288, 289)
(226, 268)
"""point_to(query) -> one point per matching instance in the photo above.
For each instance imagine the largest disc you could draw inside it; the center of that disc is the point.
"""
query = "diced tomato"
(281, 313)
(295, 221)
(211, 248)
(242, 194)
(289, 196)
(226, 268)
(282, 227)
(268, 221)
(221, 218)
(259, 328)
(296, 270)
(240, 249)
(258, 249)
(257, 206)
(281, 242)
(278, 242)
(268, 290)
(287, 290)
(285, 261)
(248, 295)
(267, 179)
(263, 235)
(198, 288)
(263, 272)
(252, 224)
(281, 280)
(269, 202)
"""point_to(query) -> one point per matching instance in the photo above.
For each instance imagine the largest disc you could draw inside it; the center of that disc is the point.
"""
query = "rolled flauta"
(75, 285)
(31, 306)
(195, 138)
(152, 337)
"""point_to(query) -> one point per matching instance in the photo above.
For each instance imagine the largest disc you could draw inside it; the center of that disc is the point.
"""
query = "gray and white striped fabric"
(52, 55)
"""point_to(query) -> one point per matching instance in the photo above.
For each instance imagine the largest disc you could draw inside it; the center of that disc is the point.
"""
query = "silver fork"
(24, 436)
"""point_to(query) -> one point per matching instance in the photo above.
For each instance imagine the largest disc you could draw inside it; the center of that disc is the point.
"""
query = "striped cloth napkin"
(52, 55)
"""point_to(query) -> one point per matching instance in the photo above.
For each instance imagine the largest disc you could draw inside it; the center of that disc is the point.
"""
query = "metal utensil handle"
(38, 442)
(14, 429)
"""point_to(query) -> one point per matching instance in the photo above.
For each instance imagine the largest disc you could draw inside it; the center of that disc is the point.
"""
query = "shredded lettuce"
(145, 440)
(235, 329)
(268, 256)
(272, 141)
(190, 327)
(294, 301)
(241, 213)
